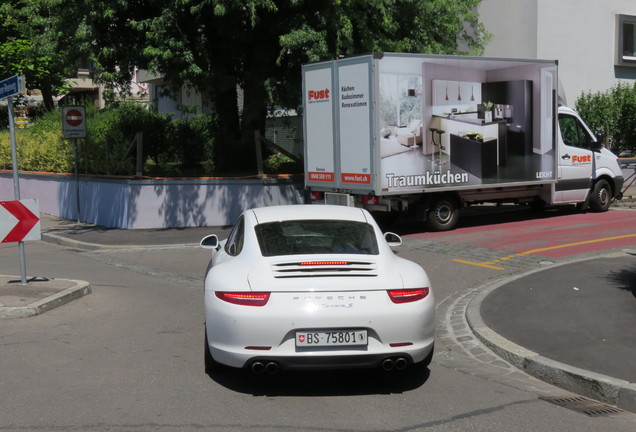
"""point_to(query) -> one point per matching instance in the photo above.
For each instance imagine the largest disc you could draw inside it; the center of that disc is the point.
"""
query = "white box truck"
(393, 132)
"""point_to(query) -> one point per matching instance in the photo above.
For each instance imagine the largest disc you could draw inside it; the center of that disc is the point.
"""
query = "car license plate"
(331, 338)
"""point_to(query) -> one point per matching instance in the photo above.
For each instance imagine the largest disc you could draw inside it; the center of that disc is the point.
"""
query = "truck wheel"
(537, 204)
(601, 196)
(443, 213)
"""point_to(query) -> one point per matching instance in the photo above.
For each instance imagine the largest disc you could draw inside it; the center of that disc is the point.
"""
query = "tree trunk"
(227, 136)
(254, 114)
(47, 95)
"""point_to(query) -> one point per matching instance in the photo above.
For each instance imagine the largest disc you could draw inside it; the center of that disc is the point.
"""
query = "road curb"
(65, 241)
(79, 289)
(612, 391)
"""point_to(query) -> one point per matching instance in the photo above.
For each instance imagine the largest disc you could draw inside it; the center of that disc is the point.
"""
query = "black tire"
(211, 365)
(601, 196)
(537, 204)
(443, 213)
(427, 360)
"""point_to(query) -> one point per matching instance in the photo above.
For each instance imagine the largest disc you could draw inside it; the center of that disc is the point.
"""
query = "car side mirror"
(393, 239)
(210, 242)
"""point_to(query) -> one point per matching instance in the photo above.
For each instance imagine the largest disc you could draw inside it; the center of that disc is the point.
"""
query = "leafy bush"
(111, 141)
(170, 147)
(277, 161)
(39, 147)
(196, 141)
(612, 114)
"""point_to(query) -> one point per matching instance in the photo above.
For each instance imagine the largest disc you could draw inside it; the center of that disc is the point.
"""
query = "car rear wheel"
(424, 364)
(427, 360)
(211, 365)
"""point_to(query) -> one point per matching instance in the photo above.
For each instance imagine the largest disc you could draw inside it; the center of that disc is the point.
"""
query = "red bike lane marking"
(555, 237)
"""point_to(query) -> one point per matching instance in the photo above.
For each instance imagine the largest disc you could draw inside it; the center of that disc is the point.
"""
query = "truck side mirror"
(598, 144)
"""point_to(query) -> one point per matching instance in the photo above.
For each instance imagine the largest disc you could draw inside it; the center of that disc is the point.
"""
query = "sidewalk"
(39, 295)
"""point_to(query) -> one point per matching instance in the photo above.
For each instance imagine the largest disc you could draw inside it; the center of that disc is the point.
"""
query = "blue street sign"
(11, 86)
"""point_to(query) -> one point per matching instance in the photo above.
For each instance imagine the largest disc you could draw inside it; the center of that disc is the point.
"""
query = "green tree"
(32, 44)
(108, 37)
(218, 46)
(612, 114)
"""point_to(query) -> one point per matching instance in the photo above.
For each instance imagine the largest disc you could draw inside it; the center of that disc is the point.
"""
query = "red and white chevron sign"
(19, 221)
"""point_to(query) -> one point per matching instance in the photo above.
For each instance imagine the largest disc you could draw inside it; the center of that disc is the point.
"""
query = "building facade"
(593, 40)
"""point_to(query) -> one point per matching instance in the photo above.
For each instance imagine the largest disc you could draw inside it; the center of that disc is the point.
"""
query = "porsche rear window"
(300, 237)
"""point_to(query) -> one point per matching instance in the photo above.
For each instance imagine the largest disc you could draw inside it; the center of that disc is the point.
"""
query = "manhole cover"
(583, 405)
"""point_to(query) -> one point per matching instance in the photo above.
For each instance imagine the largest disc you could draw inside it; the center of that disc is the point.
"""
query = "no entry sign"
(74, 122)
(74, 117)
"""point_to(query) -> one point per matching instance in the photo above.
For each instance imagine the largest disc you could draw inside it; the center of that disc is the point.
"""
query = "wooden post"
(139, 137)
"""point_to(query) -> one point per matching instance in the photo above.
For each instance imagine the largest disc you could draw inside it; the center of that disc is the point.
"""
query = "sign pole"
(14, 157)
(73, 127)
(77, 191)
(16, 186)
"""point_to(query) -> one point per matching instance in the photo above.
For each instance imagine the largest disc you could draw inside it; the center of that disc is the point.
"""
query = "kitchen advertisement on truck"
(395, 123)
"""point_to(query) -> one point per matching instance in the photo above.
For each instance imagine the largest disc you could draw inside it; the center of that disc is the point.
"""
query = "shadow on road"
(322, 383)
(625, 279)
(480, 215)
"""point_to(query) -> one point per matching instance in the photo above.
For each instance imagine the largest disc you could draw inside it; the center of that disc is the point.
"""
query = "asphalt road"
(581, 314)
(129, 357)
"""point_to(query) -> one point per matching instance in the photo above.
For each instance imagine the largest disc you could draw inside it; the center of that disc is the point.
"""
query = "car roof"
(308, 211)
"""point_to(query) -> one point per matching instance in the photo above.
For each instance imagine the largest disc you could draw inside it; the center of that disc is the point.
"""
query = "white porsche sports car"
(311, 287)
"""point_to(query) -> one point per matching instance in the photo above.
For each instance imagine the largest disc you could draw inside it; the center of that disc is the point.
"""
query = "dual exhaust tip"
(272, 368)
(398, 363)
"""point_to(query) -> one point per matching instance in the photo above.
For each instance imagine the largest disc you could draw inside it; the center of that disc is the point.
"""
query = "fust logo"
(318, 95)
(581, 159)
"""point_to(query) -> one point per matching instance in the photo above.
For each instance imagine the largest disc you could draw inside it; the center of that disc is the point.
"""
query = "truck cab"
(587, 172)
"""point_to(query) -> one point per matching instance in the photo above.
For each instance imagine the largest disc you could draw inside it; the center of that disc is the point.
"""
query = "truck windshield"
(301, 237)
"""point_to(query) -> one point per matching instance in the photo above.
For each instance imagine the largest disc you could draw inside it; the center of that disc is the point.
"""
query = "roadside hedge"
(39, 147)
(613, 115)
(182, 147)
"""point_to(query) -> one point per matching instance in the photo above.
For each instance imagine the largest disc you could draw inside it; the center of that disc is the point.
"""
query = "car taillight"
(370, 199)
(407, 295)
(317, 196)
(244, 298)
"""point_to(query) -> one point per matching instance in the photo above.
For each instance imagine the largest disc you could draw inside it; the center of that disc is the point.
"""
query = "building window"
(626, 40)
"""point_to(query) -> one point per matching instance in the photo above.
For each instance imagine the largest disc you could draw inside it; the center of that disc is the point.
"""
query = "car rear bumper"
(339, 362)
(320, 361)
(240, 335)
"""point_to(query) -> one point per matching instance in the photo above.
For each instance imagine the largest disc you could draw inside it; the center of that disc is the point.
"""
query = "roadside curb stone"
(63, 291)
(612, 391)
